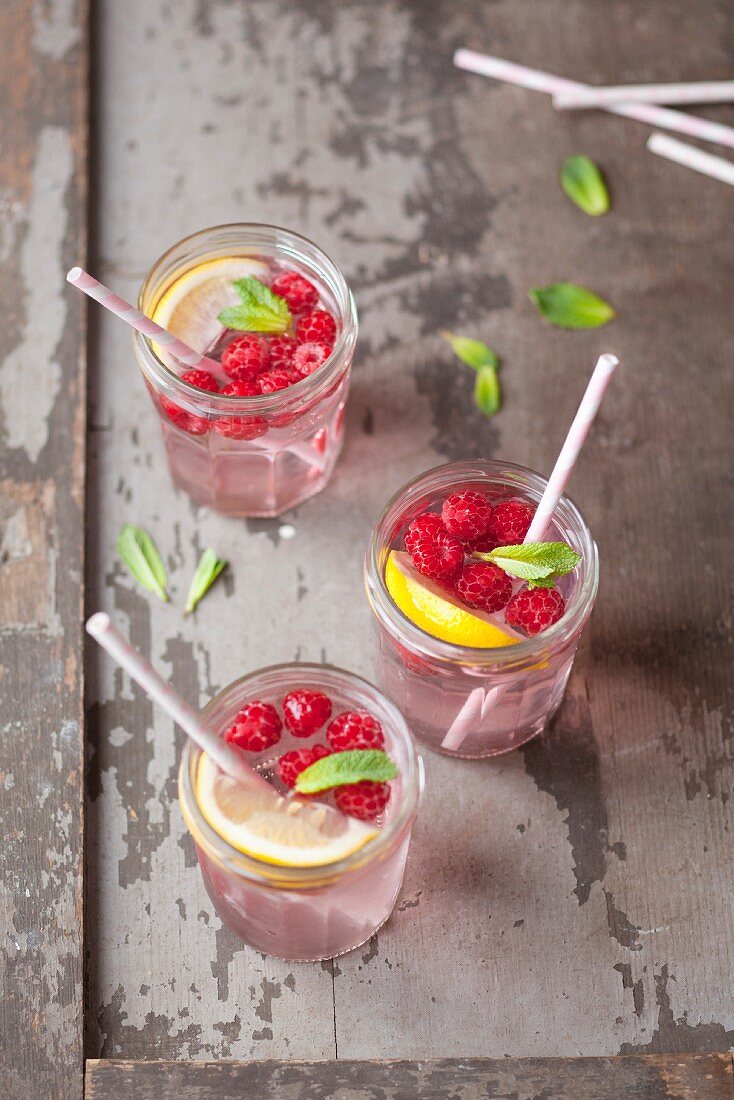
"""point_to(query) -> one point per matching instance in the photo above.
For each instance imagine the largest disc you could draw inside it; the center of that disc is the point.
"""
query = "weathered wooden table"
(570, 899)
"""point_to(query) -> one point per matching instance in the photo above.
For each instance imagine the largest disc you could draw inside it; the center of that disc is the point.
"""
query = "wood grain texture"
(572, 898)
(648, 1077)
(43, 187)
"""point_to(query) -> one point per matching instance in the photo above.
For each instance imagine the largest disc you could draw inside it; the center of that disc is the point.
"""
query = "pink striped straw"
(709, 91)
(538, 81)
(229, 759)
(571, 449)
(137, 320)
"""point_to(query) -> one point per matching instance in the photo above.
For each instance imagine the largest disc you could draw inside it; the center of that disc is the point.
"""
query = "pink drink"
(307, 913)
(263, 454)
(473, 702)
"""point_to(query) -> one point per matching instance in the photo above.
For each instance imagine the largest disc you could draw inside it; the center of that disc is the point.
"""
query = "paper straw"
(570, 450)
(229, 759)
(690, 157)
(137, 320)
(477, 706)
(711, 91)
(537, 81)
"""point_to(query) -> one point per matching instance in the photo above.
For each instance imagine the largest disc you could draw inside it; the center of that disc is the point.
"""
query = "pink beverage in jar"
(286, 718)
(475, 659)
(261, 430)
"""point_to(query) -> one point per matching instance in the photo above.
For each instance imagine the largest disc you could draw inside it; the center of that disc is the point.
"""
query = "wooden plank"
(569, 899)
(43, 189)
(650, 1077)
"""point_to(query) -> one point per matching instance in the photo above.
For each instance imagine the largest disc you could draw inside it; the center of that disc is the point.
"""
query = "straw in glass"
(690, 157)
(709, 91)
(229, 759)
(479, 703)
(538, 81)
(82, 280)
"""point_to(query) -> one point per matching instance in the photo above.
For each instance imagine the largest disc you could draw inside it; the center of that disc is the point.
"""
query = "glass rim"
(284, 877)
(528, 650)
(313, 384)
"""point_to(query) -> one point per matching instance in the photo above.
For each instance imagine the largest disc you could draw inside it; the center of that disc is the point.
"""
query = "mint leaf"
(140, 555)
(346, 767)
(534, 561)
(571, 306)
(260, 310)
(487, 391)
(584, 184)
(473, 353)
(207, 571)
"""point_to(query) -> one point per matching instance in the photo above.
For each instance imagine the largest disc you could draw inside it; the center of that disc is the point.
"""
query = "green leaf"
(487, 395)
(571, 306)
(139, 553)
(473, 353)
(260, 310)
(534, 561)
(207, 571)
(346, 767)
(584, 184)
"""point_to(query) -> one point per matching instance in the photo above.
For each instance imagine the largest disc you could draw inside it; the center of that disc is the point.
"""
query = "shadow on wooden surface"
(636, 1077)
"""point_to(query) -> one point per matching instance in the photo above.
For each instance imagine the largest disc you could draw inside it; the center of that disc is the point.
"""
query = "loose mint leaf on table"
(539, 563)
(342, 768)
(487, 391)
(584, 184)
(140, 555)
(207, 571)
(571, 306)
(481, 358)
(259, 310)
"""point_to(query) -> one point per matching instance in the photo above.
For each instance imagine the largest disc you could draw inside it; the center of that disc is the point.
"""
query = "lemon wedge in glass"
(189, 308)
(290, 832)
(437, 611)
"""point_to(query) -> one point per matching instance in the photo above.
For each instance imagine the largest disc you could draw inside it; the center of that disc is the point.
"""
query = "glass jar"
(307, 913)
(466, 701)
(251, 456)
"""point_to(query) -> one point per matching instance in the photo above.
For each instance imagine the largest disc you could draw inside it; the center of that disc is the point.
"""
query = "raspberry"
(306, 711)
(274, 380)
(466, 515)
(241, 427)
(291, 764)
(256, 727)
(535, 609)
(355, 730)
(309, 358)
(484, 544)
(187, 422)
(246, 357)
(316, 327)
(282, 350)
(365, 800)
(511, 521)
(439, 556)
(202, 379)
(485, 586)
(427, 524)
(297, 291)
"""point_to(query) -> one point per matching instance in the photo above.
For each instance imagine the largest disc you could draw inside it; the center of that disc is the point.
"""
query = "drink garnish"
(584, 184)
(569, 306)
(481, 358)
(538, 563)
(340, 769)
(140, 555)
(259, 309)
(207, 571)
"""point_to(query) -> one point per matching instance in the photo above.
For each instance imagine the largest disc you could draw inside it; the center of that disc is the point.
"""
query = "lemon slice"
(190, 306)
(438, 613)
(287, 831)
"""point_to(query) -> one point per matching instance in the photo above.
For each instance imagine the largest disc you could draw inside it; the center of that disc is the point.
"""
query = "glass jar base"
(513, 741)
